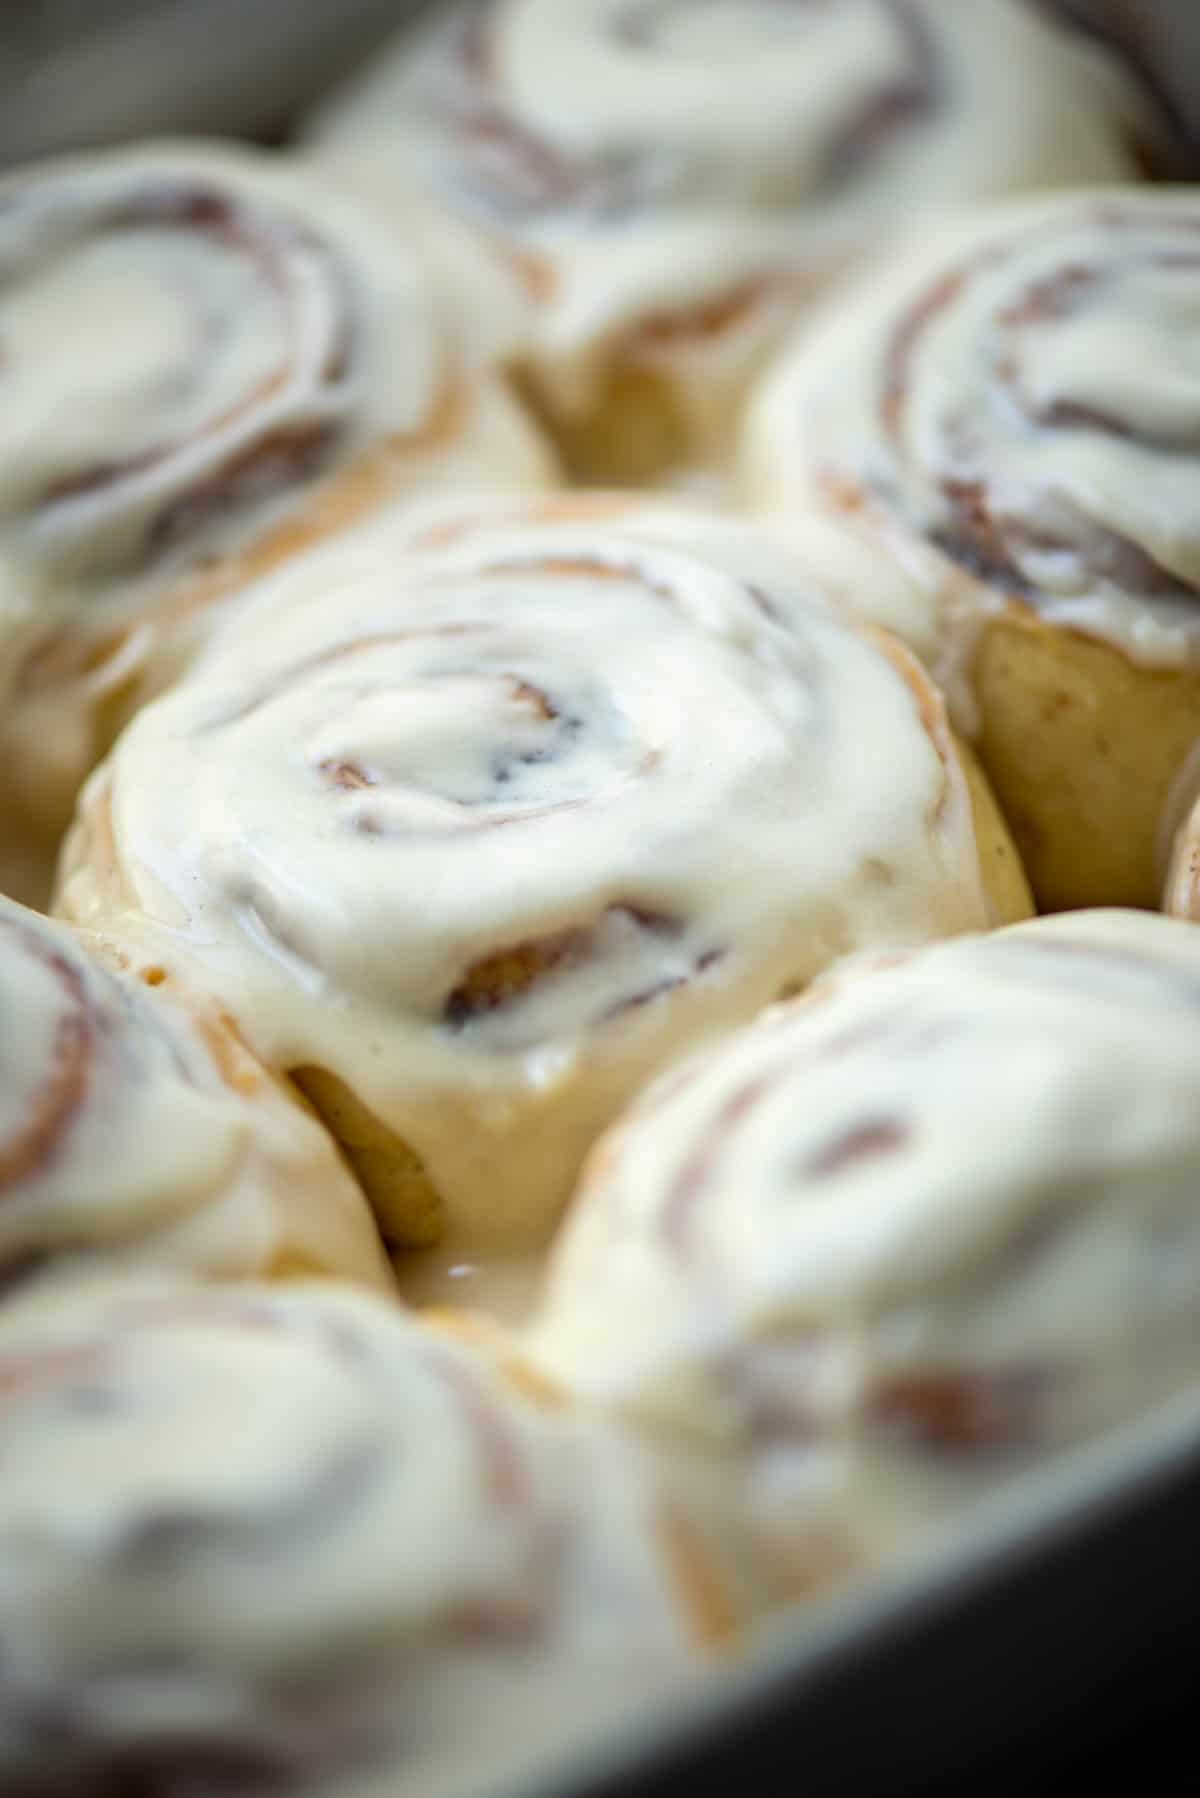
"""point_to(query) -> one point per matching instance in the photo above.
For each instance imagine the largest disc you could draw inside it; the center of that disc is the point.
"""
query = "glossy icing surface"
(1008, 413)
(491, 824)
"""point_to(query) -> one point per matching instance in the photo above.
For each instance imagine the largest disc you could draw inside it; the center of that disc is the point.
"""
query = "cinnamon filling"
(286, 454)
(982, 535)
(512, 168)
(954, 1412)
(509, 975)
(873, 1140)
(62, 1089)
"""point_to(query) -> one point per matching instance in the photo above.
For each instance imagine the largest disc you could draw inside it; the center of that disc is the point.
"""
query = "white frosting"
(259, 1530)
(652, 158)
(128, 1128)
(205, 355)
(1024, 389)
(627, 734)
(935, 1219)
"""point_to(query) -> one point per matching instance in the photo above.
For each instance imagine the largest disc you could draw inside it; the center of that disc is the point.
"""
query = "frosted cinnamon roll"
(136, 1125)
(208, 359)
(1000, 433)
(267, 1540)
(911, 1233)
(472, 831)
(676, 181)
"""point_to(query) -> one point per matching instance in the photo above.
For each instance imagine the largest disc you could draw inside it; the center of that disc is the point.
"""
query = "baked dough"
(998, 430)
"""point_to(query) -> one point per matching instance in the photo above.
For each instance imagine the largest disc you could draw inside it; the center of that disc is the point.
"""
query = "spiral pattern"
(475, 846)
(943, 1208)
(676, 178)
(207, 359)
(131, 1125)
(496, 57)
(1005, 470)
(259, 329)
(249, 377)
(1024, 409)
(279, 1535)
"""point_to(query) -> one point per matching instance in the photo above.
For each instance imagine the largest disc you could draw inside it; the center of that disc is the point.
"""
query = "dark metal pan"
(1059, 1630)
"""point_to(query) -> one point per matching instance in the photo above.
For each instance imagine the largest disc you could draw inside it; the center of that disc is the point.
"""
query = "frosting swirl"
(931, 1222)
(239, 328)
(263, 1538)
(473, 844)
(1015, 404)
(679, 176)
(132, 1124)
(207, 358)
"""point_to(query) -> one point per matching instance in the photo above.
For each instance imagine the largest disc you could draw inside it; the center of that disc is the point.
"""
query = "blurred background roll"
(82, 72)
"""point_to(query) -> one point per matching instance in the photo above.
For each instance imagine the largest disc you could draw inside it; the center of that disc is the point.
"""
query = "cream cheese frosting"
(135, 1126)
(648, 160)
(254, 1537)
(1008, 413)
(899, 1238)
(491, 822)
(207, 357)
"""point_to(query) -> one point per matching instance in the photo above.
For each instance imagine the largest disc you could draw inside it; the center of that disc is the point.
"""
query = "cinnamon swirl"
(677, 180)
(1001, 435)
(272, 1539)
(135, 1125)
(208, 359)
(912, 1233)
(507, 813)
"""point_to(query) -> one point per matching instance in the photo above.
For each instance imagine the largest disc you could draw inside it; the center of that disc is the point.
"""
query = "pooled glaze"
(135, 1126)
(256, 1539)
(207, 357)
(932, 1222)
(681, 177)
(491, 821)
(1009, 413)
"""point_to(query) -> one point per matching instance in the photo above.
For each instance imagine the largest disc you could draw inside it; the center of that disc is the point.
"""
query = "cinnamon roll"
(1000, 435)
(676, 179)
(472, 830)
(136, 1125)
(916, 1231)
(268, 1539)
(208, 359)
